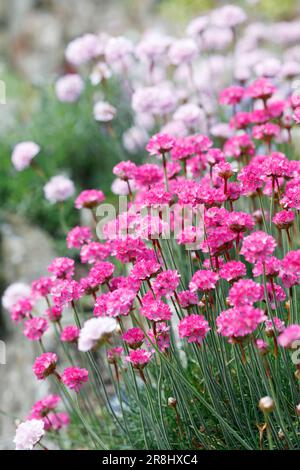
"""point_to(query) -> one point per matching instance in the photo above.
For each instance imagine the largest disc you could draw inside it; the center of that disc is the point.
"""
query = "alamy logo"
(2, 353)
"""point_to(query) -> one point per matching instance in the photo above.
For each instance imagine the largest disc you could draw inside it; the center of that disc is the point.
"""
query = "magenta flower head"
(23, 154)
(145, 269)
(232, 271)
(74, 378)
(34, 328)
(284, 219)
(78, 236)
(289, 335)
(70, 334)
(204, 280)
(261, 88)
(54, 313)
(231, 95)
(114, 354)
(194, 328)
(21, 309)
(166, 283)
(187, 298)
(89, 198)
(160, 144)
(155, 310)
(245, 292)
(125, 170)
(113, 304)
(238, 322)
(45, 365)
(134, 337)
(139, 358)
(62, 268)
(42, 287)
(258, 246)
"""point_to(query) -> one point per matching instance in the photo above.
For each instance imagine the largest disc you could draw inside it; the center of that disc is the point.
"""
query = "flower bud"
(298, 410)
(297, 374)
(266, 404)
(172, 402)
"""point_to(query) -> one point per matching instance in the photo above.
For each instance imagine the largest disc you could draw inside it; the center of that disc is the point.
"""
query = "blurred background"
(33, 36)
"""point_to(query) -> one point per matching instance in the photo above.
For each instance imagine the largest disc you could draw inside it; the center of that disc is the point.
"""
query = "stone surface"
(25, 253)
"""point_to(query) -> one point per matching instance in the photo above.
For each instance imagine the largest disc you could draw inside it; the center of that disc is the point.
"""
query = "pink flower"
(239, 322)
(125, 170)
(99, 274)
(277, 165)
(296, 115)
(204, 280)
(54, 313)
(89, 198)
(69, 87)
(187, 298)
(43, 407)
(34, 328)
(290, 273)
(74, 378)
(155, 310)
(128, 249)
(21, 309)
(83, 49)
(194, 327)
(66, 291)
(232, 271)
(144, 269)
(148, 174)
(258, 246)
(28, 434)
(272, 267)
(160, 144)
(275, 324)
(134, 337)
(79, 236)
(161, 337)
(55, 421)
(245, 292)
(139, 358)
(94, 252)
(166, 283)
(291, 197)
(289, 335)
(239, 145)
(45, 365)
(284, 219)
(62, 268)
(114, 354)
(232, 95)
(113, 304)
(266, 131)
(218, 241)
(42, 287)
(23, 153)
(70, 334)
(58, 189)
(239, 222)
(261, 88)
(182, 51)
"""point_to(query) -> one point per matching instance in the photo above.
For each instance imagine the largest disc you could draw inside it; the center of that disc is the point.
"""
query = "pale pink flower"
(23, 154)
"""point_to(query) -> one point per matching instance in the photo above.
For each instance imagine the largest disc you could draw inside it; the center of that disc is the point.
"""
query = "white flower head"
(28, 434)
(94, 330)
